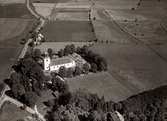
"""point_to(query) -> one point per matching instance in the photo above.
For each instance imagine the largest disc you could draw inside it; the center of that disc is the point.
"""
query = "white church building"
(54, 64)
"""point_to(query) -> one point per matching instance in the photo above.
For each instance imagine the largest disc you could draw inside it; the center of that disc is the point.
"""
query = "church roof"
(60, 61)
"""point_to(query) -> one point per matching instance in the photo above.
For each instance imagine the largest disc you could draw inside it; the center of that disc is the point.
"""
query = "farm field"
(50, 1)
(130, 65)
(56, 46)
(14, 11)
(12, 27)
(11, 1)
(71, 16)
(102, 83)
(9, 112)
(73, 31)
(144, 22)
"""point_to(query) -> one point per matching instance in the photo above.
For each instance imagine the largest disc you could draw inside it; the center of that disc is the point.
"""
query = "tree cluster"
(147, 106)
(69, 49)
(79, 106)
(98, 63)
(28, 79)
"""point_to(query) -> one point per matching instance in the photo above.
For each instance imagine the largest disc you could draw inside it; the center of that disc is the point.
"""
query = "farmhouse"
(55, 64)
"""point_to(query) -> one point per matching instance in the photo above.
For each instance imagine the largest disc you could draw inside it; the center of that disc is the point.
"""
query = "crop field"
(70, 31)
(70, 16)
(11, 1)
(56, 46)
(50, 1)
(12, 27)
(135, 67)
(115, 4)
(14, 11)
(144, 22)
(10, 112)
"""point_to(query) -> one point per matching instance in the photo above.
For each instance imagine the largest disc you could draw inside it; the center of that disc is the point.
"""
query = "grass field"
(14, 11)
(56, 31)
(135, 67)
(9, 112)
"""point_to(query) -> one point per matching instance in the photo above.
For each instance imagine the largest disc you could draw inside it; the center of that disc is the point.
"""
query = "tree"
(67, 50)
(18, 90)
(102, 64)
(86, 68)
(94, 67)
(69, 72)
(84, 49)
(55, 116)
(58, 84)
(65, 98)
(36, 53)
(62, 71)
(61, 53)
(109, 117)
(78, 71)
(50, 52)
(72, 47)
(30, 98)
(14, 78)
